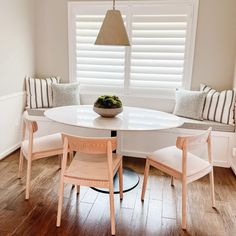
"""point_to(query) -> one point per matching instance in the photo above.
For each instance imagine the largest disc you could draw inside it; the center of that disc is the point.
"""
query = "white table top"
(131, 119)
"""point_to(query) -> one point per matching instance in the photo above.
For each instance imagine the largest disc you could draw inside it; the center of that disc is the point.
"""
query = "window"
(160, 58)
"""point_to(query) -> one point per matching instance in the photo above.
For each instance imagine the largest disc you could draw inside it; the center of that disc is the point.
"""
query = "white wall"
(16, 61)
(16, 44)
(11, 107)
(51, 38)
(215, 42)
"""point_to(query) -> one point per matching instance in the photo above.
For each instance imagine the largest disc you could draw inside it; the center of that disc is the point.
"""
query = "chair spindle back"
(90, 145)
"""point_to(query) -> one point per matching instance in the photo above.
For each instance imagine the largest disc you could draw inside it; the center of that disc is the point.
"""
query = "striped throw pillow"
(218, 106)
(39, 92)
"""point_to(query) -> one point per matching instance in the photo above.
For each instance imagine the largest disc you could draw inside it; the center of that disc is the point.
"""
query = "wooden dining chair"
(179, 163)
(33, 148)
(94, 165)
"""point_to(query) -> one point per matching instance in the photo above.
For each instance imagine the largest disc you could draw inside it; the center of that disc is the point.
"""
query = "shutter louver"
(97, 67)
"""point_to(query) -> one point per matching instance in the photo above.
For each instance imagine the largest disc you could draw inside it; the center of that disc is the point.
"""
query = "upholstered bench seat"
(205, 124)
(37, 112)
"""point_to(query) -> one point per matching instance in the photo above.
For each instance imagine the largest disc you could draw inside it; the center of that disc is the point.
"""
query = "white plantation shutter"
(160, 58)
(97, 67)
(159, 40)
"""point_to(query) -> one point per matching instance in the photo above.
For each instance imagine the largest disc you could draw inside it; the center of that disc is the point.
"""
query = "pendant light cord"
(114, 3)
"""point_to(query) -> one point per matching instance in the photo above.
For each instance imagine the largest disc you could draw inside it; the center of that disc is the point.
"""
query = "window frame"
(74, 8)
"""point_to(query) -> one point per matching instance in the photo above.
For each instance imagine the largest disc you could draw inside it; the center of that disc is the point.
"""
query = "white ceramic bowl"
(108, 112)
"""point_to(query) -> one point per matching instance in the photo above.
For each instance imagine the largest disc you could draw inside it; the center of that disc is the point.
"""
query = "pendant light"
(112, 31)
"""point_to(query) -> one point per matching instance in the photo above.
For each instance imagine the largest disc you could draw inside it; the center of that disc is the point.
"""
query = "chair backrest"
(30, 125)
(90, 145)
(193, 141)
(185, 143)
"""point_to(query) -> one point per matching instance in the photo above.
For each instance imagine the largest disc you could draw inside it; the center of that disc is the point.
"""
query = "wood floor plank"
(154, 218)
(90, 196)
(123, 221)
(140, 212)
(98, 217)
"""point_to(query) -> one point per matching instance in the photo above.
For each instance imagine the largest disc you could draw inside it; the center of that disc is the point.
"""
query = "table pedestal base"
(130, 181)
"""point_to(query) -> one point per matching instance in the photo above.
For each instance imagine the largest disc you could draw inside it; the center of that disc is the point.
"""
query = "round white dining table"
(131, 119)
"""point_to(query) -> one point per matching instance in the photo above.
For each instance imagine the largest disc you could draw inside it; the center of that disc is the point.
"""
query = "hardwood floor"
(159, 214)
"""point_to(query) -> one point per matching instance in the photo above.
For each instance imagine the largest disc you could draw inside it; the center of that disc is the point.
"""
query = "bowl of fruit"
(108, 106)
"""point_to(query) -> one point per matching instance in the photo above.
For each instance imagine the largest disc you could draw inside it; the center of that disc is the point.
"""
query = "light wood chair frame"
(185, 144)
(32, 127)
(92, 146)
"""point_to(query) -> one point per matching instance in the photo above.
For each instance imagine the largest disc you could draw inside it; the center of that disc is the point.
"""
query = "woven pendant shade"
(113, 30)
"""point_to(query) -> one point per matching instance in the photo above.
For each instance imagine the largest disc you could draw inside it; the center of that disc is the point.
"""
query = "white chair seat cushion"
(172, 157)
(45, 143)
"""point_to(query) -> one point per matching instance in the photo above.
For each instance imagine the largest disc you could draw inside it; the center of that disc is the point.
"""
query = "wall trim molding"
(9, 151)
(233, 169)
(12, 105)
(12, 95)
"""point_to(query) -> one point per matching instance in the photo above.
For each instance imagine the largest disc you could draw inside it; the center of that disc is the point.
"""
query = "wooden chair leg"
(77, 189)
(60, 160)
(146, 172)
(112, 209)
(121, 180)
(212, 185)
(21, 163)
(184, 205)
(71, 155)
(28, 177)
(172, 181)
(60, 203)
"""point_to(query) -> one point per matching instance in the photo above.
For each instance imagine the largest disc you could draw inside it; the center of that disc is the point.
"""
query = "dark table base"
(130, 181)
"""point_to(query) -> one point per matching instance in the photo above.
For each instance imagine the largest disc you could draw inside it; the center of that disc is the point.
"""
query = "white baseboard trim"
(224, 164)
(9, 151)
(233, 169)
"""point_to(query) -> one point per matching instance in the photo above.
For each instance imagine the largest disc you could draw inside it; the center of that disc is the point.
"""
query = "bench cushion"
(36, 112)
(205, 124)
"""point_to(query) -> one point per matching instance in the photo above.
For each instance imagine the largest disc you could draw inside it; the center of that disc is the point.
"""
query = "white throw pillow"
(39, 92)
(65, 94)
(189, 104)
(218, 106)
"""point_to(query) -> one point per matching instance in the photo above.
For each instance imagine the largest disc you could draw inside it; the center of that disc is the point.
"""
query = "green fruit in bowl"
(108, 102)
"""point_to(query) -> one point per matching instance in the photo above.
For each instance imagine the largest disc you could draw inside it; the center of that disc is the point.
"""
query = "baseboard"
(134, 154)
(233, 169)
(9, 151)
(224, 164)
